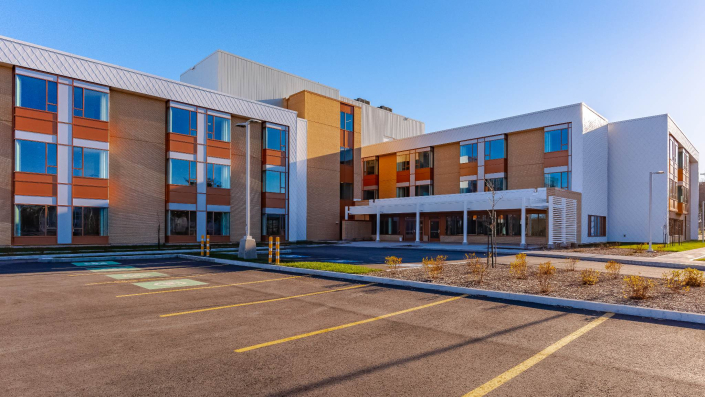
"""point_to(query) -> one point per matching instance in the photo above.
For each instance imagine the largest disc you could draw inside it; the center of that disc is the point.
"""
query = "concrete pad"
(183, 282)
(111, 269)
(129, 276)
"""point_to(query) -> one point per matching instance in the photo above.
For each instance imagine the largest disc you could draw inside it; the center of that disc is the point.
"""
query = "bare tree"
(492, 224)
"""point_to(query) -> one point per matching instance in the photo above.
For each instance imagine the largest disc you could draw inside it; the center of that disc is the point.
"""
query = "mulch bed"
(565, 284)
(616, 251)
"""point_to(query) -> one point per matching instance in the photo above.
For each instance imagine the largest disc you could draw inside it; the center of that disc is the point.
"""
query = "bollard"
(208, 245)
(201, 245)
(277, 250)
(270, 249)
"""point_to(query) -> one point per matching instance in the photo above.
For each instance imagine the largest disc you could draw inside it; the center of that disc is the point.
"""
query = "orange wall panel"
(403, 176)
(468, 169)
(212, 151)
(35, 189)
(556, 159)
(84, 181)
(493, 166)
(90, 240)
(388, 176)
(35, 121)
(32, 177)
(273, 200)
(90, 192)
(370, 180)
(92, 134)
(34, 240)
(424, 174)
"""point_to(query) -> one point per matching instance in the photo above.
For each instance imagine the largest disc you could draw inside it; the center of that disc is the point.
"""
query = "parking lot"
(179, 327)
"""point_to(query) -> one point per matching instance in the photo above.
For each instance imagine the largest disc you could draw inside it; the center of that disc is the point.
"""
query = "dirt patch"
(564, 284)
(616, 251)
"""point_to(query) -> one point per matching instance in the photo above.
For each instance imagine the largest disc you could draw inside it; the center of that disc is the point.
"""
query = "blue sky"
(445, 63)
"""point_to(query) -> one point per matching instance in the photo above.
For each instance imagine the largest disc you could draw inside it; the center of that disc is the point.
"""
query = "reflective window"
(536, 225)
(218, 223)
(370, 194)
(182, 223)
(388, 225)
(495, 150)
(90, 221)
(557, 179)
(36, 157)
(468, 153)
(424, 190)
(274, 182)
(468, 186)
(346, 121)
(370, 167)
(90, 104)
(597, 226)
(346, 191)
(182, 121)
(402, 162)
(275, 138)
(346, 156)
(273, 225)
(454, 225)
(556, 140)
(495, 184)
(34, 93)
(35, 220)
(424, 159)
(218, 175)
(91, 163)
(182, 172)
(403, 191)
(218, 128)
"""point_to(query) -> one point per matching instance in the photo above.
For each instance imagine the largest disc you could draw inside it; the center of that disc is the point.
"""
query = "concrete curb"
(657, 314)
(597, 258)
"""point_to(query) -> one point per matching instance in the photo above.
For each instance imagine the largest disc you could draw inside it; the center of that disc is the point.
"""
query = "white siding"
(297, 183)
(594, 177)
(379, 124)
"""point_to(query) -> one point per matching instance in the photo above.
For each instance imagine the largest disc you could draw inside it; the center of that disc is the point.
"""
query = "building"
(557, 176)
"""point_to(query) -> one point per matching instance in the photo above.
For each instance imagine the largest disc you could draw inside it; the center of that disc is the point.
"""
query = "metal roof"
(48, 60)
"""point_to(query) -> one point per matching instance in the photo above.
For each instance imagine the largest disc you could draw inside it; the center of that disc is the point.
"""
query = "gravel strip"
(565, 284)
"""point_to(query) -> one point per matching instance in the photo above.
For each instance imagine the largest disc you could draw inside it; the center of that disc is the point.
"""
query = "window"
(182, 172)
(91, 163)
(182, 121)
(402, 162)
(218, 175)
(424, 159)
(39, 157)
(346, 191)
(346, 156)
(682, 193)
(557, 179)
(556, 140)
(182, 223)
(495, 184)
(218, 223)
(370, 167)
(389, 225)
(275, 138)
(536, 225)
(273, 225)
(370, 194)
(403, 191)
(218, 128)
(346, 121)
(90, 221)
(35, 220)
(597, 226)
(477, 224)
(468, 186)
(514, 224)
(468, 153)
(454, 225)
(90, 104)
(494, 150)
(35, 93)
(274, 182)
(423, 190)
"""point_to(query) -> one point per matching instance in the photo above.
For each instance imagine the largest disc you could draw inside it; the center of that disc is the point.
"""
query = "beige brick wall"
(237, 180)
(137, 169)
(525, 159)
(6, 145)
(446, 169)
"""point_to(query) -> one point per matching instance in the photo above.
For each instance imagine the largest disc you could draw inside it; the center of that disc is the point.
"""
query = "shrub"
(434, 266)
(518, 267)
(640, 247)
(590, 276)
(637, 287)
(392, 262)
(570, 266)
(693, 277)
(546, 272)
(675, 280)
(613, 268)
(477, 267)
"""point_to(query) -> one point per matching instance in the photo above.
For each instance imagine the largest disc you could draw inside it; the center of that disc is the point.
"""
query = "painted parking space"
(183, 282)
(97, 263)
(111, 268)
(130, 276)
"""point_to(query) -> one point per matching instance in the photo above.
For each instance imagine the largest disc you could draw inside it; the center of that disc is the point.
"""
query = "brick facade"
(525, 159)
(6, 162)
(446, 169)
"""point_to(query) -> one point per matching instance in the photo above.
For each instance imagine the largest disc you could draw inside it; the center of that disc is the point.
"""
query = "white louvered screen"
(564, 220)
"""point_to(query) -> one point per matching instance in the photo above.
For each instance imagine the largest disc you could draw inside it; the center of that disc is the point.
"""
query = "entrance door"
(435, 232)
(410, 229)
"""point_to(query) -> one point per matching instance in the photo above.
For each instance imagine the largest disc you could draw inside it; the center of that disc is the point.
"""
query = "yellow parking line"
(208, 287)
(265, 301)
(510, 374)
(322, 331)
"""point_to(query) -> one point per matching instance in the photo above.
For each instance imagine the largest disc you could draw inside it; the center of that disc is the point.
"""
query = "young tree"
(492, 224)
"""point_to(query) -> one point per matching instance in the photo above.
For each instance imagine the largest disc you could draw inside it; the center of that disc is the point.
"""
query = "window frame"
(564, 140)
(344, 121)
(83, 162)
(418, 187)
(104, 212)
(504, 184)
(375, 194)
(82, 109)
(210, 127)
(17, 217)
(210, 223)
(408, 191)
(346, 191)
(470, 183)
(189, 223)
(365, 169)
(488, 149)
(597, 226)
(193, 115)
(47, 102)
(472, 158)
(405, 164)
(417, 161)
(281, 174)
(210, 175)
(283, 136)
(565, 176)
(192, 180)
(47, 165)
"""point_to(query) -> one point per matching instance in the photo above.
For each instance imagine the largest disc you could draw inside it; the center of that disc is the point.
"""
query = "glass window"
(346, 121)
(273, 225)
(468, 186)
(35, 220)
(556, 140)
(536, 225)
(218, 128)
(389, 225)
(90, 221)
(424, 190)
(274, 182)
(218, 223)
(468, 153)
(31, 156)
(346, 191)
(597, 226)
(182, 223)
(495, 149)
(91, 163)
(454, 225)
(182, 121)
(424, 159)
(275, 139)
(34, 93)
(495, 184)
(182, 172)
(346, 156)
(402, 162)
(403, 191)
(218, 175)
(370, 167)
(369, 194)
(557, 179)
(90, 104)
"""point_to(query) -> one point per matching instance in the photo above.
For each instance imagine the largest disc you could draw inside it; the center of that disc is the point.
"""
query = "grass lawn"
(328, 266)
(685, 246)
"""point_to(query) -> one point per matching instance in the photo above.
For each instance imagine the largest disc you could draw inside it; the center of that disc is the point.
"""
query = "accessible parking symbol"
(184, 282)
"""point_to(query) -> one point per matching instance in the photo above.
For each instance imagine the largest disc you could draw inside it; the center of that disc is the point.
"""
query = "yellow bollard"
(208, 245)
(277, 250)
(201, 245)
(270, 249)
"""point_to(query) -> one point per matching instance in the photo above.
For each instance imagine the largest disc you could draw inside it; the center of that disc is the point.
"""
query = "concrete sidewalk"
(480, 248)
(665, 261)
